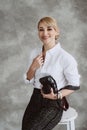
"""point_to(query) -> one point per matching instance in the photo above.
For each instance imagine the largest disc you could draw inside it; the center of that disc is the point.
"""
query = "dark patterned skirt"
(41, 113)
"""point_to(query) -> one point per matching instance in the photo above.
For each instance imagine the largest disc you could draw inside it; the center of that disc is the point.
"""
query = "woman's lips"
(45, 38)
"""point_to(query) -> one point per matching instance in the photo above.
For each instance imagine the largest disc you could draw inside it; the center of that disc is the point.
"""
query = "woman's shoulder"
(67, 58)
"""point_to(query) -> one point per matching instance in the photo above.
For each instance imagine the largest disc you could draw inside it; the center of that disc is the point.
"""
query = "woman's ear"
(57, 35)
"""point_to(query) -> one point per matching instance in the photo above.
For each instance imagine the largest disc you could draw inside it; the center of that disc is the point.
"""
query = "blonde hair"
(50, 21)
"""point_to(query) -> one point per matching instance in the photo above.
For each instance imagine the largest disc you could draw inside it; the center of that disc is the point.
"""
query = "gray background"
(19, 41)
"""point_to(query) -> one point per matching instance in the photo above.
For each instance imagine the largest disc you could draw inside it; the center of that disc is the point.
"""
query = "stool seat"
(68, 118)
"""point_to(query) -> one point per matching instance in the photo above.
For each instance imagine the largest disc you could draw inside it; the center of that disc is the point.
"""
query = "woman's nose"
(45, 32)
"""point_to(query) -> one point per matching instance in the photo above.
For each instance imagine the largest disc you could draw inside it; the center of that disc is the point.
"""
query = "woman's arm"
(37, 63)
(72, 77)
(64, 92)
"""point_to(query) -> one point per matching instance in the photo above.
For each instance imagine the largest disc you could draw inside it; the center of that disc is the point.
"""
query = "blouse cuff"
(70, 87)
(28, 81)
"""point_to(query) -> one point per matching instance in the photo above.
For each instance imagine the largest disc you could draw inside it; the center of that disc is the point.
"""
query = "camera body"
(48, 82)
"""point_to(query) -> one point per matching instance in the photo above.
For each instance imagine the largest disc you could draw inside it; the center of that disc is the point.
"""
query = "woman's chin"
(46, 42)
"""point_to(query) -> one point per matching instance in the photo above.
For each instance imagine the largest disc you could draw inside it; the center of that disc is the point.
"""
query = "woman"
(43, 111)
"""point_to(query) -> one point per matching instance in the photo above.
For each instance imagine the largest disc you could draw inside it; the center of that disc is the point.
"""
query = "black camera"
(48, 82)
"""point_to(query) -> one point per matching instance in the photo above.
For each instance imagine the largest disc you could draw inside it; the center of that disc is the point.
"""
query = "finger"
(40, 61)
(37, 56)
(41, 92)
(40, 55)
(44, 95)
(55, 96)
(52, 91)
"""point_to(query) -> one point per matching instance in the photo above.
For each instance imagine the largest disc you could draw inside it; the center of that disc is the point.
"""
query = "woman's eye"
(41, 30)
(49, 29)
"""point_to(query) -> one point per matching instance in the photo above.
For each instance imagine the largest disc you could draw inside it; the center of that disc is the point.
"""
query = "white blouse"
(60, 65)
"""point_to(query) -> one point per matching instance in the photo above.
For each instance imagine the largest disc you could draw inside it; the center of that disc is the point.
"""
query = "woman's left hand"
(51, 95)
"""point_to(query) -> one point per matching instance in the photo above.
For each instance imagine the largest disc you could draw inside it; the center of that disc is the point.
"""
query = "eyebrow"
(47, 27)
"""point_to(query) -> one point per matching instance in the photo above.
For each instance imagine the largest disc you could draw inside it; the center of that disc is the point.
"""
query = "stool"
(68, 118)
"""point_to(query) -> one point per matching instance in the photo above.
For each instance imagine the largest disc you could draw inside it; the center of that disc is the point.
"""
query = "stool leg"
(68, 126)
(71, 125)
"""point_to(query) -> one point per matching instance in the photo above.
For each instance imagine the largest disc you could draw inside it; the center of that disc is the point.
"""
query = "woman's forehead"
(44, 24)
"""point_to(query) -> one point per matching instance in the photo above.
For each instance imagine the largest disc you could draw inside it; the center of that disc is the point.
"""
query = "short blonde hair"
(50, 21)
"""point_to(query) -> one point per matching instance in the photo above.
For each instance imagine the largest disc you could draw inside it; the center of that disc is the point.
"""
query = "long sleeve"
(28, 81)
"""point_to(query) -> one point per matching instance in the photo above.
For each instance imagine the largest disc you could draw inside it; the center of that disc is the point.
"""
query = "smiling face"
(47, 30)
(46, 33)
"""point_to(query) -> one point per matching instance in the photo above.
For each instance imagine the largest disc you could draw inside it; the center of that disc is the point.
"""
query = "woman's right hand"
(37, 62)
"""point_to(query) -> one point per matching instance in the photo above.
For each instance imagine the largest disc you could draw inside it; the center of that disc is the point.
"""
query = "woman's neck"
(49, 46)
